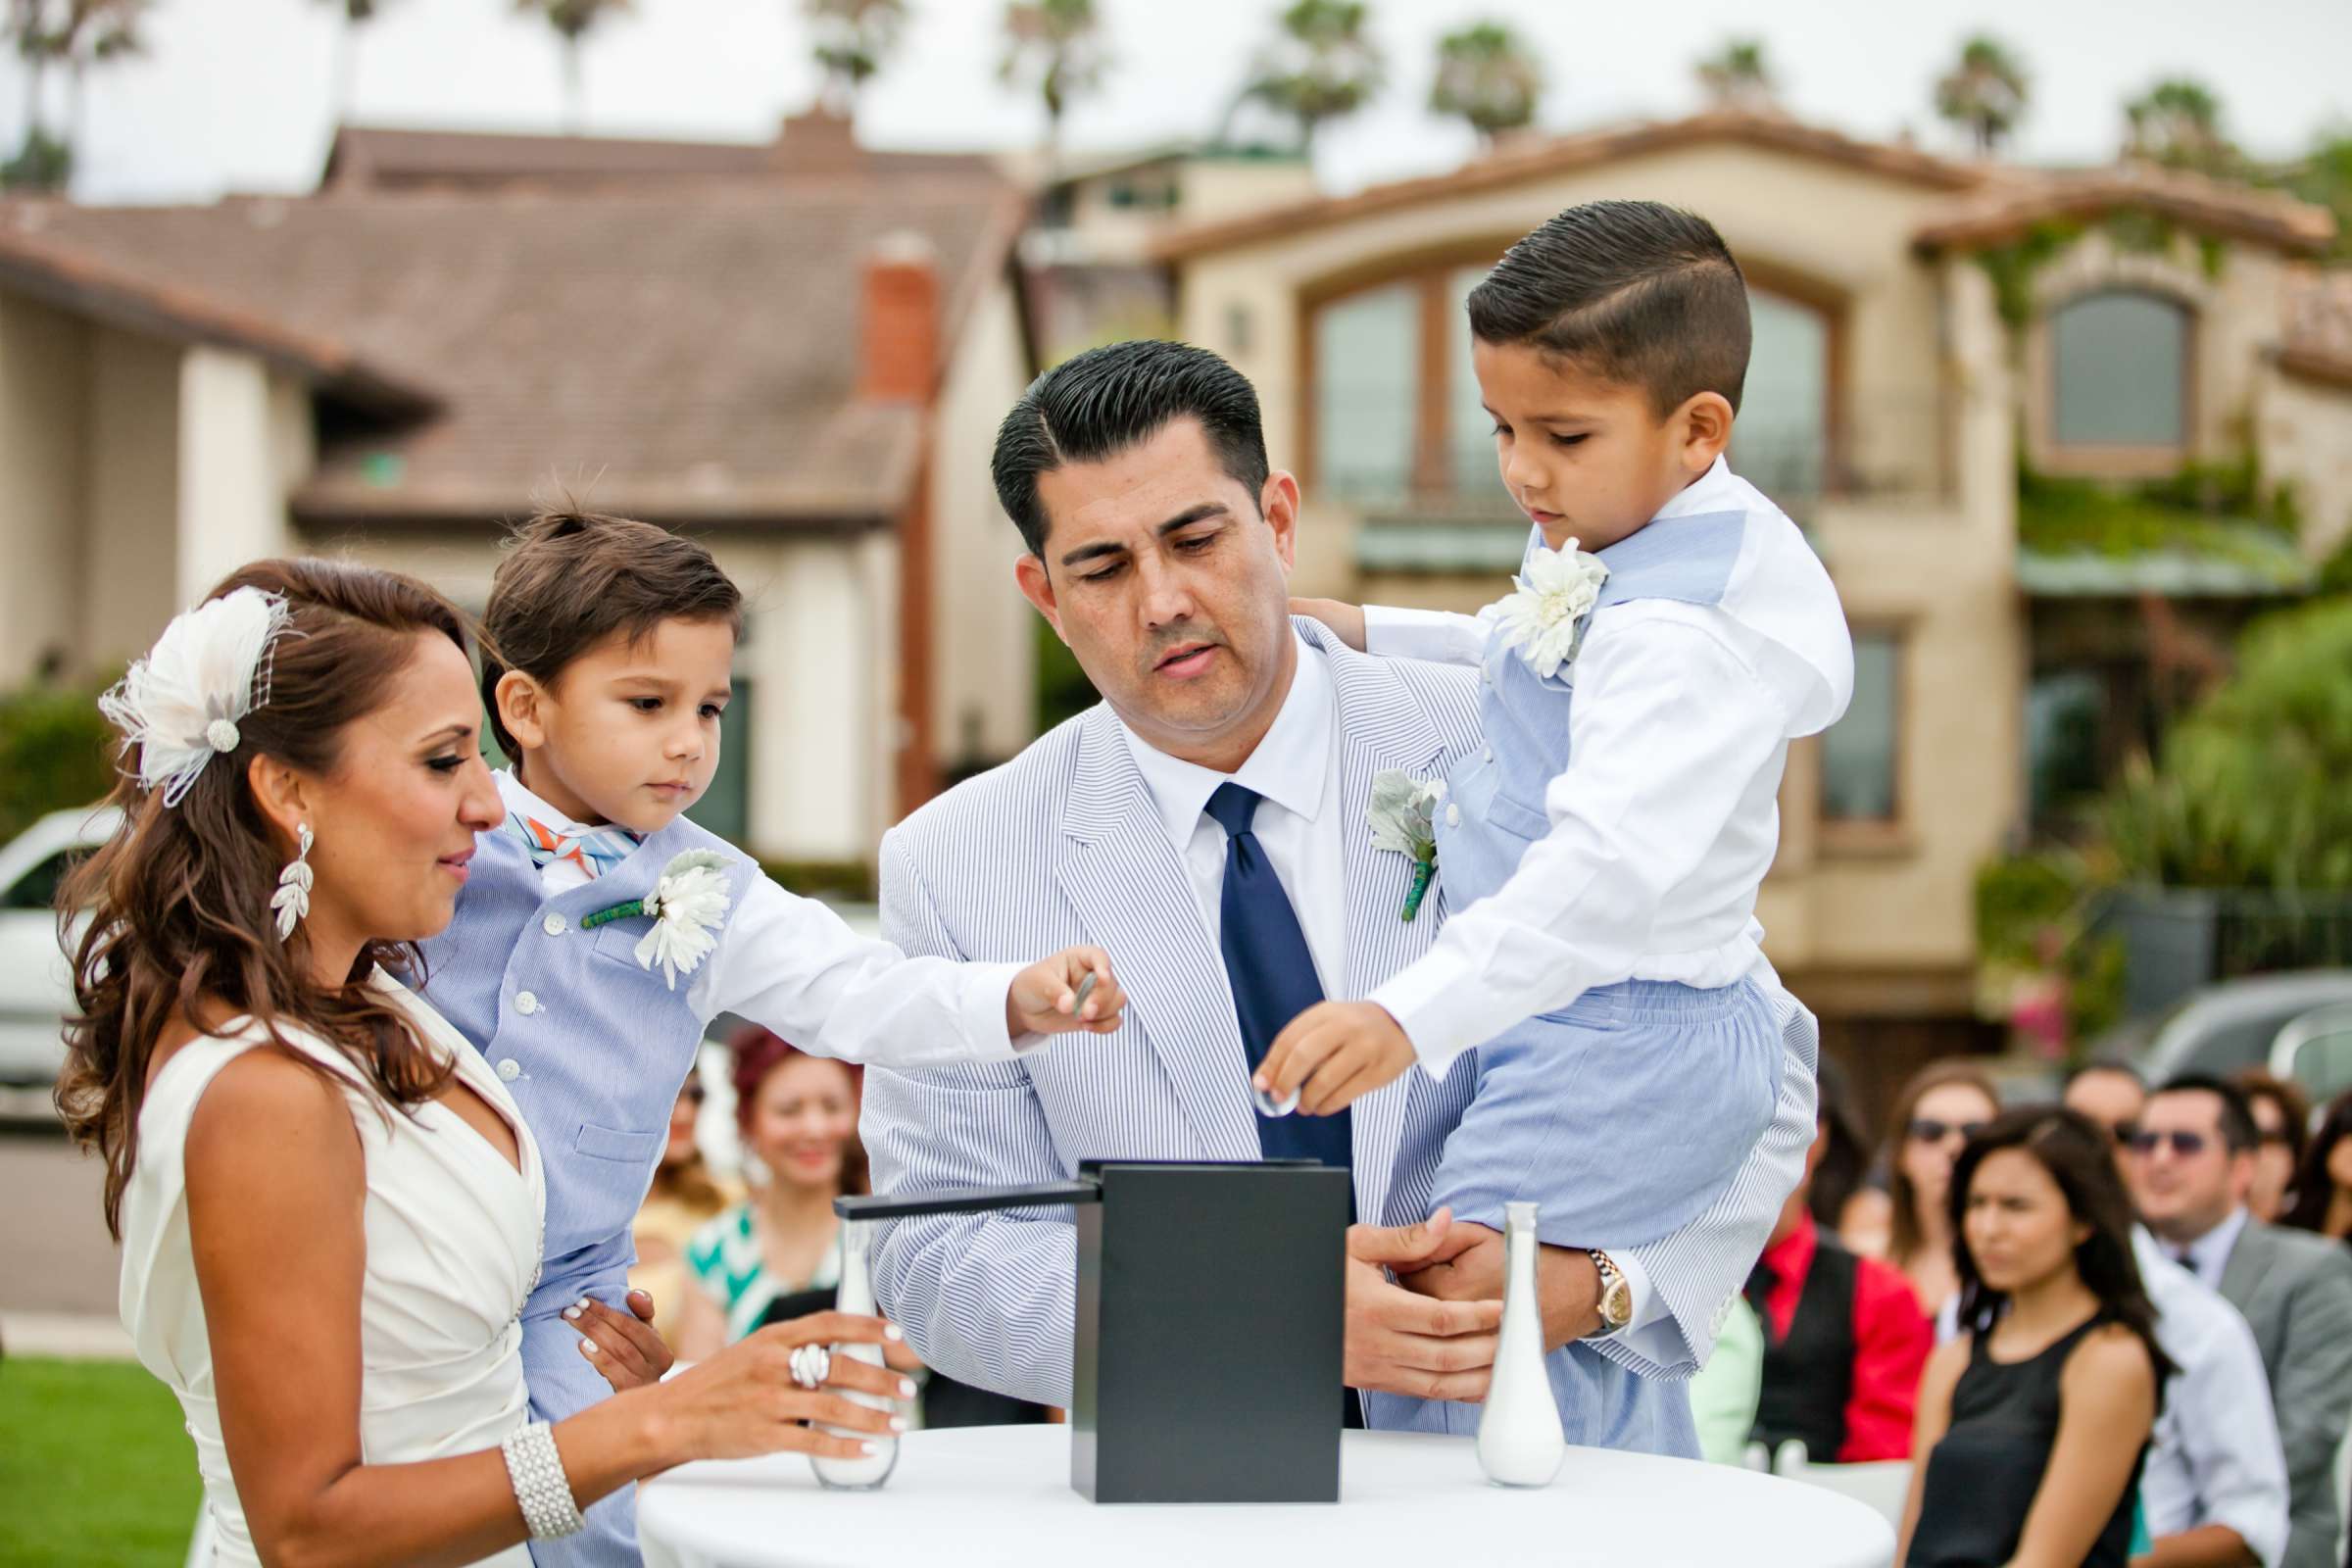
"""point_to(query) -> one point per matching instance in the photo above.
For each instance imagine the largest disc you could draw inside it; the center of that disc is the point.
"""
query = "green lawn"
(95, 1467)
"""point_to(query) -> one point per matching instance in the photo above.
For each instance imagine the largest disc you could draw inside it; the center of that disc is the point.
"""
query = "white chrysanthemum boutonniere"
(1543, 618)
(1404, 814)
(689, 904)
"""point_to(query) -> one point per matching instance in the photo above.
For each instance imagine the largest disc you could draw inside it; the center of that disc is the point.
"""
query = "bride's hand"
(625, 1347)
(743, 1402)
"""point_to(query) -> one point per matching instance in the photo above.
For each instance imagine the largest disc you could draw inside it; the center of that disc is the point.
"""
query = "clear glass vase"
(857, 1296)
(1520, 1440)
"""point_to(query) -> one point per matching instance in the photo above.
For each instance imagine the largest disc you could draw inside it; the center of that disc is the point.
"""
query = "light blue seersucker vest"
(1524, 715)
(592, 1045)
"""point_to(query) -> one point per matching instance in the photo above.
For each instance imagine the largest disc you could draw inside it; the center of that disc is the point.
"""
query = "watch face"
(1617, 1305)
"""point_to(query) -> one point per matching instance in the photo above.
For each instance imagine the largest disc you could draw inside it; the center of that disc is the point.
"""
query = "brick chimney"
(818, 142)
(898, 363)
(898, 326)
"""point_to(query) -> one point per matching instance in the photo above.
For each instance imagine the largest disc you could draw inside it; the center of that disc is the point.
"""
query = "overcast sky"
(235, 94)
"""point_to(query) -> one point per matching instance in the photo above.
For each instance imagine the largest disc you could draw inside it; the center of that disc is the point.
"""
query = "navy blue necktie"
(1273, 974)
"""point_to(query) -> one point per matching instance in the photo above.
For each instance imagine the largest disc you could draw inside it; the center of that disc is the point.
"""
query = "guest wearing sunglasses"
(2191, 1167)
(1939, 1109)
(2213, 1493)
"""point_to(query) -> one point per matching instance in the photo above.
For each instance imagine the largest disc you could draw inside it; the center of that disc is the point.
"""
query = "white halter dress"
(453, 1238)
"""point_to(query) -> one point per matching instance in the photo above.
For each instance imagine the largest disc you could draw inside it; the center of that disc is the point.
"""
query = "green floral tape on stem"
(621, 912)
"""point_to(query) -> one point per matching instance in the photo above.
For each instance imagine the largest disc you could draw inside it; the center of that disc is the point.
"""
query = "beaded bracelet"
(536, 1471)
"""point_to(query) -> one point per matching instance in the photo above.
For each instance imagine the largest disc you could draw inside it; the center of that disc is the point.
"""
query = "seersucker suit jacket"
(2295, 1289)
(1063, 845)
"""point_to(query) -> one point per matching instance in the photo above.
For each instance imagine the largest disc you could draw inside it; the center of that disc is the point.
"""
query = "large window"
(1858, 752)
(2120, 367)
(1367, 380)
(1389, 427)
(1780, 441)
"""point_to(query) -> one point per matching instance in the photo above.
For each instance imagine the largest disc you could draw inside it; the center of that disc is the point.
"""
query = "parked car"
(2234, 1024)
(35, 978)
(2316, 1051)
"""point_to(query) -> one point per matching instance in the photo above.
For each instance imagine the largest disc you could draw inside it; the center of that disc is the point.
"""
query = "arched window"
(2119, 365)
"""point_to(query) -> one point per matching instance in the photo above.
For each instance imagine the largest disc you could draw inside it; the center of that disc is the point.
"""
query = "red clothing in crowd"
(1892, 1339)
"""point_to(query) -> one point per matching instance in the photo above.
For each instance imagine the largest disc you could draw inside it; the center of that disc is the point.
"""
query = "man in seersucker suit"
(1205, 819)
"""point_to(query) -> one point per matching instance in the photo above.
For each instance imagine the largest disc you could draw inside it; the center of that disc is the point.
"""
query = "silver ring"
(810, 1365)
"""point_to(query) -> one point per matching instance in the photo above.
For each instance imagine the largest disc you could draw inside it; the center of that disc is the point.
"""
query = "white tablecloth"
(1002, 1495)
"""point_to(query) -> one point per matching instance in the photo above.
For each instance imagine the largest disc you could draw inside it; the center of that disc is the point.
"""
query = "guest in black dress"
(2034, 1422)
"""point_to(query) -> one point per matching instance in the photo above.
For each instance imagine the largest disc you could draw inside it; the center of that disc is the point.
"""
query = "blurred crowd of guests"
(2122, 1320)
(722, 1259)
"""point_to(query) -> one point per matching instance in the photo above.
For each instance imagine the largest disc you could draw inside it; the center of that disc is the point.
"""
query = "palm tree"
(852, 39)
(1319, 67)
(2179, 122)
(574, 21)
(96, 31)
(1738, 77)
(1488, 76)
(1057, 44)
(1985, 93)
(36, 31)
(357, 13)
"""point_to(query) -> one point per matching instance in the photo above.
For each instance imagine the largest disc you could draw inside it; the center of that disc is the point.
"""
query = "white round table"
(1002, 1495)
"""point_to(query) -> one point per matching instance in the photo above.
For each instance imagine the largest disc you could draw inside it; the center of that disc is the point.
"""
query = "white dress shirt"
(1667, 816)
(1300, 824)
(2215, 1458)
(793, 966)
(2209, 1255)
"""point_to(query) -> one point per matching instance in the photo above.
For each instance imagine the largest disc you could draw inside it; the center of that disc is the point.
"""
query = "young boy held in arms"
(1671, 633)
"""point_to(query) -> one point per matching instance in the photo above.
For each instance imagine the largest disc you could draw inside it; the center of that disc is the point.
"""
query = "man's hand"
(1401, 1343)
(1043, 999)
(1335, 1054)
(1567, 1285)
(1347, 620)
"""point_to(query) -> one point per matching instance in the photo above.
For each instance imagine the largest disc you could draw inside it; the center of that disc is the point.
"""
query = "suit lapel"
(2250, 1260)
(1115, 865)
(1381, 726)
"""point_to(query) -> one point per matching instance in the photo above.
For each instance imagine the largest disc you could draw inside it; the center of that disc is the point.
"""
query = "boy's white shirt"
(793, 966)
(1666, 817)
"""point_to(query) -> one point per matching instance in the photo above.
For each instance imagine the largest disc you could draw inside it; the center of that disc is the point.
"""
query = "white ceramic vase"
(1520, 1441)
(857, 1296)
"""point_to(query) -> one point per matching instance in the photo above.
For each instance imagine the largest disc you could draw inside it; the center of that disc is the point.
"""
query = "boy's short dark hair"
(2240, 1132)
(1638, 293)
(573, 579)
(1097, 403)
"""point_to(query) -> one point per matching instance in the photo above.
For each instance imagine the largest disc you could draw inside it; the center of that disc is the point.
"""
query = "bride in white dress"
(330, 1210)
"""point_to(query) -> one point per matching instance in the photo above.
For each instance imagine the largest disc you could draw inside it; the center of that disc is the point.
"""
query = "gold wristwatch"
(1616, 1295)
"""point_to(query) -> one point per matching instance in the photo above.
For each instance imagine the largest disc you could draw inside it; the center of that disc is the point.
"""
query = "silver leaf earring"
(292, 901)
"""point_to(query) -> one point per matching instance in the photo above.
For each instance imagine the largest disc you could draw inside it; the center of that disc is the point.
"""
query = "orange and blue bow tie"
(594, 850)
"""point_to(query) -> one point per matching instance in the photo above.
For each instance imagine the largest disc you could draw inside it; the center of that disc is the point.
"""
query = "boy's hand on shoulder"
(1334, 1054)
(1043, 999)
(1345, 619)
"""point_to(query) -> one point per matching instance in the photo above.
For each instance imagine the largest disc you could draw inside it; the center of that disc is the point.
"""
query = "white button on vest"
(508, 1069)
(1489, 754)
(555, 925)
(1453, 817)
(526, 1004)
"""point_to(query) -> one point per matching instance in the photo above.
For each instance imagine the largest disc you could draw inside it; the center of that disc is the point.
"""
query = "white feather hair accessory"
(180, 706)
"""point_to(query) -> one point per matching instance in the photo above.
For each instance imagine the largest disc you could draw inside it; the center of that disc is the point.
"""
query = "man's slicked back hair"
(1638, 293)
(1100, 403)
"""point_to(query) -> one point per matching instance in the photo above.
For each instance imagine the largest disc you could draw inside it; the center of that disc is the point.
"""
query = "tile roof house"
(795, 352)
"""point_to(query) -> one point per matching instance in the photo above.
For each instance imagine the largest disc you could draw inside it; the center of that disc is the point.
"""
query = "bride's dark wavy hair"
(178, 898)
